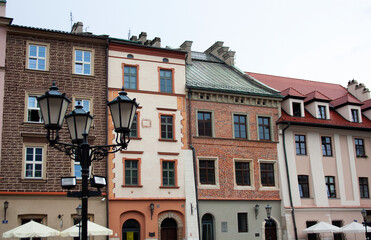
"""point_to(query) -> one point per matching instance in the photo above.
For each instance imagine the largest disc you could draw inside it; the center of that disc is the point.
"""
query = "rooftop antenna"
(71, 19)
(129, 34)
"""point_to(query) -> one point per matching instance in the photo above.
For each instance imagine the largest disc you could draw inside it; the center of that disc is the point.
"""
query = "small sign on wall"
(224, 227)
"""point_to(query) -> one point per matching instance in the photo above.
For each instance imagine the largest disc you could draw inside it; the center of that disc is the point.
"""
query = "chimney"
(2, 8)
(143, 37)
(134, 38)
(186, 46)
(358, 90)
(156, 42)
(229, 58)
(214, 49)
(77, 27)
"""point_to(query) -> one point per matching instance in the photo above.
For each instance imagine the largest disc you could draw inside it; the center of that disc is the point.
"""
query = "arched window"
(207, 227)
(130, 56)
(131, 230)
(165, 60)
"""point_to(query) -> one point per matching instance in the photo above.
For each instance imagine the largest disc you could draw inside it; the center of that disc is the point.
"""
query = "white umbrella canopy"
(355, 227)
(93, 230)
(322, 227)
(30, 230)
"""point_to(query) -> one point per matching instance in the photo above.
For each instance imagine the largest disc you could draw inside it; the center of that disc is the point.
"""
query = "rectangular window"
(355, 117)
(240, 126)
(204, 124)
(38, 219)
(360, 147)
(134, 127)
(33, 110)
(300, 144)
(339, 224)
(363, 187)
(303, 186)
(131, 172)
(83, 62)
(242, 173)
(321, 112)
(207, 171)
(330, 186)
(168, 173)
(130, 77)
(267, 174)
(34, 162)
(296, 109)
(77, 169)
(85, 103)
(264, 128)
(166, 81)
(326, 146)
(312, 236)
(37, 57)
(242, 222)
(167, 127)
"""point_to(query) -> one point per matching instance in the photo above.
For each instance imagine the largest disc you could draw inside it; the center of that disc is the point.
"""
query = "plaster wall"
(346, 113)
(287, 106)
(313, 108)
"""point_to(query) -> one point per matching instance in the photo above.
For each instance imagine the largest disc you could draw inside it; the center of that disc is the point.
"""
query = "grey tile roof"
(209, 73)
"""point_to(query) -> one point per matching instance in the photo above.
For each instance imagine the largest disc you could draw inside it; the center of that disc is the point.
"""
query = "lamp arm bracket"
(70, 150)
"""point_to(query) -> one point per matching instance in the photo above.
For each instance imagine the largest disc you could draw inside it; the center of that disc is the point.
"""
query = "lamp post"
(268, 221)
(78, 211)
(53, 106)
(364, 215)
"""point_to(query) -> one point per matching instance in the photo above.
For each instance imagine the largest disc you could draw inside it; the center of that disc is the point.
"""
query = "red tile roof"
(346, 99)
(316, 95)
(292, 92)
(332, 91)
(366, 105)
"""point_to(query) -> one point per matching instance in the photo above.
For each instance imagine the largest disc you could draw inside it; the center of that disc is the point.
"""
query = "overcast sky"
(320, 40)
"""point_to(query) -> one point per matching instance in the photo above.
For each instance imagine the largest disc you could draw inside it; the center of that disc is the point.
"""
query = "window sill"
(83, 75)
(167, 140)
(34, 123)
(135, 138)
(37, 70)
(132, 186)
(169, 187)
(30, 180)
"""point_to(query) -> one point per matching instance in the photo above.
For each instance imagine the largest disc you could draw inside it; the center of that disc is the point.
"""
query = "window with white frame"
(34, 157)
(83, 62)
(37, 56)
(33, 110)
(85, 103)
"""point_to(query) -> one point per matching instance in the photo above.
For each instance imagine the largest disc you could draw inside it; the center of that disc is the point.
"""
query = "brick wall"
(19, 80)
(224, 147)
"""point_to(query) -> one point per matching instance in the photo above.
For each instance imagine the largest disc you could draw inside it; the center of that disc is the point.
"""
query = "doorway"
(270, 230)
(131, 230)
(169, 229)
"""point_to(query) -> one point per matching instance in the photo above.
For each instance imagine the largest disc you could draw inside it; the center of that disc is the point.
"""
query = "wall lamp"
(152, 207)
(268, 209)
(256, 208)
(6, 205)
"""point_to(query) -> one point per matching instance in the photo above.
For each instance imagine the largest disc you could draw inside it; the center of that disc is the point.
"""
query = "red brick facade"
(19, 81)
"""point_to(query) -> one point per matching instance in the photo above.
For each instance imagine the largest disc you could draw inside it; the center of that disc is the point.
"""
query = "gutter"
(321, 125)
(194, 160)
(288, 181)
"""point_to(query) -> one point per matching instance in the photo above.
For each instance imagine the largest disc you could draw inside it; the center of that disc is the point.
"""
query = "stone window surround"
(44, 170)
(47, 52)
(251, 166)
(212, 121)
(247, 124)
(216, 166)
(275, 169)
(92, 56)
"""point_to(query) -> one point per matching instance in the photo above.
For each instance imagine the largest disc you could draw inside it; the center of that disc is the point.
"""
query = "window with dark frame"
(363, 187)
(339, 224)
(303, 186)
(131, 172)
(35, 219)
(267, 174)
(207, 171)
(242, 170)
(242, 222)
(296, 109)
(240, 126)
(166, 81)
(134, 127)
(204, 124)
(330, 186)
(264, 128)
(312, 236)
(167, 127)
(300, 145)
(360, 147)
(326, 146)
(355, 117)
(130, 77)
(321, 112)
(168, 173)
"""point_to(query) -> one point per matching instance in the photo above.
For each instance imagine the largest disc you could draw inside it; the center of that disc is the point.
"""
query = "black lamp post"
(365, 223)
(53, 106)
(79, 211)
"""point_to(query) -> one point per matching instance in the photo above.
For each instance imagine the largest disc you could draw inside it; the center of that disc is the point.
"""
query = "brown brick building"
(233, 133)
(30, 170)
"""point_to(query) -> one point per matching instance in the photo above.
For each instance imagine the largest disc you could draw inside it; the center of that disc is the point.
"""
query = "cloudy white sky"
(320, 40)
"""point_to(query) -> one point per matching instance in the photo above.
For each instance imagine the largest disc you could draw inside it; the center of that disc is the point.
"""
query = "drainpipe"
(107, 158)
(194, 159)
(288, 181)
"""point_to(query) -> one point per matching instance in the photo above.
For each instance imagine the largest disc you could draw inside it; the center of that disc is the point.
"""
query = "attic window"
(130, 56)
(207, 97)
(241, 100)
(201, 96)
(263, 102)
(258, 102)
(296, 109)
(165, 60)
(236, 100)
(355, 117)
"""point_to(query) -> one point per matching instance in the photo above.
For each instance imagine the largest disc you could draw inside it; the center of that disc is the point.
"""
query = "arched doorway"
(270, 230)
(207, 227)
(169, 229)
(131, 230)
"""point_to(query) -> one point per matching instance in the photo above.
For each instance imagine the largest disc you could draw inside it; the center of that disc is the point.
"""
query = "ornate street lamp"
(268, 209)
(53, 106)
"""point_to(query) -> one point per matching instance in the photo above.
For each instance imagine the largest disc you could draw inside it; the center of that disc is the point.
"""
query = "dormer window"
(296, 109)
(322, 112)
(355, 116)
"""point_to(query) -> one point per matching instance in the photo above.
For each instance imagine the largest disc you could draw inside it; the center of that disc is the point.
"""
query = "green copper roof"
(209, 73)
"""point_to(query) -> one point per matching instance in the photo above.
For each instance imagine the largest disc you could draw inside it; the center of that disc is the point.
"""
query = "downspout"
(194, 159)
(288, 181)
(107, 168)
